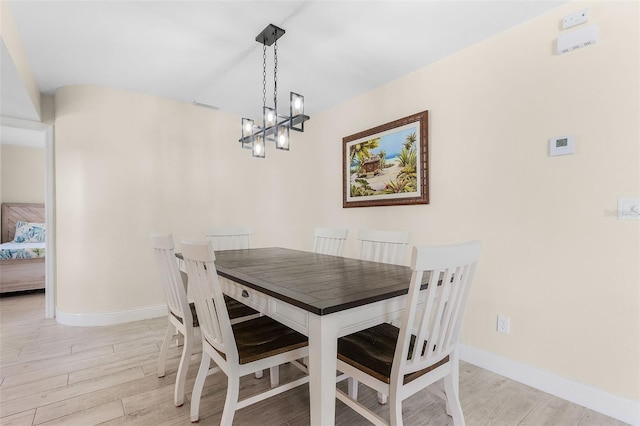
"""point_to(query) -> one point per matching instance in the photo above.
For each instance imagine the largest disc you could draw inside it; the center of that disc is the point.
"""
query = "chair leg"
(198, 385)
(274, 375)
(352, 388)
(455, 378)
(163, 349)
(259, 374)
(395, 411)
(455, 372)
(182, 370)
(231, 402)
(453, 401)
(382, 398)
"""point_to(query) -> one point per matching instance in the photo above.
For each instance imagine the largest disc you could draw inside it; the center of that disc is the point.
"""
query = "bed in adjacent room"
(22, 261)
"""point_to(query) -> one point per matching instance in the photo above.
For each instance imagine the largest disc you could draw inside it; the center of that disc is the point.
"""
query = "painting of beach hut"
(371, 166)
(387, 165)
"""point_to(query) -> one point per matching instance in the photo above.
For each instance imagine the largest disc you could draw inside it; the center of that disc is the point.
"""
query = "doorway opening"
(38, 132)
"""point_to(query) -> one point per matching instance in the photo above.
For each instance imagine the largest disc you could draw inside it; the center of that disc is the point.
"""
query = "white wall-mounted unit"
(577, 18)
(578, 38)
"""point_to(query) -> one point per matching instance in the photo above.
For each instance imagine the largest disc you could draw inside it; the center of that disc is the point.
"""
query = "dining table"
(321, 296)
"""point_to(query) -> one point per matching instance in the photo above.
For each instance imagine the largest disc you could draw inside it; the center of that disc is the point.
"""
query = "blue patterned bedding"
(29, 232)
(13, 250)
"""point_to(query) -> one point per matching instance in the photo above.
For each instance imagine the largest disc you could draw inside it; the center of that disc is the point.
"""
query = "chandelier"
(275, 127)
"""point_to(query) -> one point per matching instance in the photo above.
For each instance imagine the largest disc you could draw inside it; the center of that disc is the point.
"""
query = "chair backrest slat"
(439, 319)
(172, 284)
(229, 237)
(329, 240)
(437, 325)
(383, 246)
(213, 317)
(455, 286)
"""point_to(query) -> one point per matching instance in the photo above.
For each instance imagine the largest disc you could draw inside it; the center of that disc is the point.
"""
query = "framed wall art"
(387, 165)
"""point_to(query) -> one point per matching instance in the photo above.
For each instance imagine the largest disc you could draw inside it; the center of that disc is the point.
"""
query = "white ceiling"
(205, 50)
(10, 135)
(14, 100)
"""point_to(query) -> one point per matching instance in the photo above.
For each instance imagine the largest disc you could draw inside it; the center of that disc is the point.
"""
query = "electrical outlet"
(503, 325)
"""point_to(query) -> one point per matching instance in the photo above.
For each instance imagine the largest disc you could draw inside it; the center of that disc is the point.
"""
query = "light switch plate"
(628, 208)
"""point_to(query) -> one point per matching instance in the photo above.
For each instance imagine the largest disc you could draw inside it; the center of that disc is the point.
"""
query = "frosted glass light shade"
(258, 146)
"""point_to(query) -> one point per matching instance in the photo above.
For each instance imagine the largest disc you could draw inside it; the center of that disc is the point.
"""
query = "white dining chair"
(237, 350)
(182, 316)
(402, 361)
(229, 237)
(236, 237)
(383, 246)
(181, 319)
(329, 240)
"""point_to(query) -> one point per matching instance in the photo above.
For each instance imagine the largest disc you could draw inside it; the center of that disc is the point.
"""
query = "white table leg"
(323, 350)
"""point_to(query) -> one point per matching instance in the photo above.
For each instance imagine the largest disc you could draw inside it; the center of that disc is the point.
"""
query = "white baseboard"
(622, 409)
(110, 318)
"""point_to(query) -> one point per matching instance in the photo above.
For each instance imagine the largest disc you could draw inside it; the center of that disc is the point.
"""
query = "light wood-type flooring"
(51, 374)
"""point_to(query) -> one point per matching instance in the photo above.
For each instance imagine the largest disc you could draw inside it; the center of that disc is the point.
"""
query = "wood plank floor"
(51, 374)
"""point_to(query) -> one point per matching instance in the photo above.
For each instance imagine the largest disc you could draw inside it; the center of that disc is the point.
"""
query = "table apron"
(283, 312)
(349, 320)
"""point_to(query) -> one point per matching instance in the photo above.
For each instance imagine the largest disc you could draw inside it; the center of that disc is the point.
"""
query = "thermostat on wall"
(562, 145)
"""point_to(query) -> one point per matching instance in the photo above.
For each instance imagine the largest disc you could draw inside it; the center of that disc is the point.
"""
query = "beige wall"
(22, 175)
(555, 258)
(124, 166)
(555, 261)
(11, 38)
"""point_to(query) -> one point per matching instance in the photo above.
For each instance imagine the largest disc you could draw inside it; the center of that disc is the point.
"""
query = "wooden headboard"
(13, 212)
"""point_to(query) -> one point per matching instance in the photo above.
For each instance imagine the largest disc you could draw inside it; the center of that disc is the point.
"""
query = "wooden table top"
(320, 284)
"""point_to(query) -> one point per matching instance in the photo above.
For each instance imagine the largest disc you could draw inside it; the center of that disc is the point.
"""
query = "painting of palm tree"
(385, 165)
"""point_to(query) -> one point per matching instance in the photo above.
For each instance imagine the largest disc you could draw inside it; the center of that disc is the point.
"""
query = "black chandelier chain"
(264, 75)
(275, 74)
